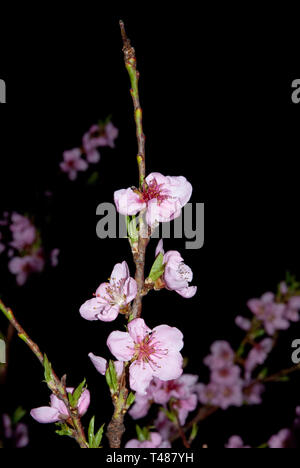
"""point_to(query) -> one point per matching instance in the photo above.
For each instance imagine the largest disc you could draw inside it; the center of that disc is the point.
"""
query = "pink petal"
(119, 366)
(109, 313)
(128, 202)
(156, 439)
(99, 362)
(120, 272)
(15, 265)
(102, 294)
(188, 292)
(141, 375)
(180, 188)
(45, 415)
(160, 248)
(93, 156)
(169, 337)
(59, 405)
(121, 345)
(90, 310)
(169, 367)
(134, 443)
(130, 290)
(138, 330)
(84, 402)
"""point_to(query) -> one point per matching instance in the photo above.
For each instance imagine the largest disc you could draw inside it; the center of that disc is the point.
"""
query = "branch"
(57, 386)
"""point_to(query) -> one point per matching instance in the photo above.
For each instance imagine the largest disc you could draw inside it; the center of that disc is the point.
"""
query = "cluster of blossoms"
(227, 386)
(275, 313)
(78, 159)
(22, 242)
(285, 438)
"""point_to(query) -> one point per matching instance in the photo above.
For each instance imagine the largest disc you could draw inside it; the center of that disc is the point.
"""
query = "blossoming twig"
(57, 386)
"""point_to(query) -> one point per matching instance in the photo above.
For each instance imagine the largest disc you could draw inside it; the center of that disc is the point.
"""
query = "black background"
(218, 110)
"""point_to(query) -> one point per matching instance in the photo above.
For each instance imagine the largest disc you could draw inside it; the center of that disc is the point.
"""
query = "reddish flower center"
(154, 190)
(149, 349)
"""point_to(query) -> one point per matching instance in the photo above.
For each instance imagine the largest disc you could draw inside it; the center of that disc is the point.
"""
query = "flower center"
(154, 190)
(185, 272)
(149, 349)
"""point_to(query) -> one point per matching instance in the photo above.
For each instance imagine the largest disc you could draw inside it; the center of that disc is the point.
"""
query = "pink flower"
(253, 394)
(163, 197)
(208, 394)
(230, 395)
(111, 297)
(280, 440)
(54, 257)
(22, 267)
(100, 135)
(177, 274)
(73, 163)
(270, 313)
(18, 435)
(222, 355)
(93, 156)
(243, 323)
(57, 411)
(292, 309)
(153, 353)
(258, 355)
(101, 365)
(236, 442)
(155, 441)
(23, 232)
(226, 375)
(182, 391)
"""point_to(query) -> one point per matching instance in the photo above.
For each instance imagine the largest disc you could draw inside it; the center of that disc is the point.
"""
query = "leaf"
(64, 430)
(263, 374)
(142, 434)
(98, 437)
(130, 399)
(47, 370)
(77, 393)
(18, 415)
(258, 334)
(91, 432)
(114, 377)
(194, 432)
(158, 268)
(132, 229)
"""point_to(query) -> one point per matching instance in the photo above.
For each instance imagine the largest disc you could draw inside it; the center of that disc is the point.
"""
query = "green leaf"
(18, 415)
(130, 399)
(283, 379)
(78, 392)
(263, 374)
(47, 370)
(114, 377)
(93, 179)
(158, 268)
(142, 434)
(258, 334)
(64, 430)
(91, 432)
(170, 415)
(98, 437)
(194, 432)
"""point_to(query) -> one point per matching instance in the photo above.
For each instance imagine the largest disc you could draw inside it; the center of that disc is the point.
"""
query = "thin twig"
(56, 385)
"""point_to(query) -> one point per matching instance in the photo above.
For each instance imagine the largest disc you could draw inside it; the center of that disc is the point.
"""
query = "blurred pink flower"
(22, 267)
(236, 442)
(2, 246)
(154, 442)
(111, 297)
(177, 275)
(23, 232)
(258, 355)
(73, 163)
(243, 323)
(153, 353)
(54, 257)
(57, 411)
(93, 156)
(100, 135)
(280, 440)
(18, 434)
(164, 426)
(163, 197)
(222, 355)
(272, 314)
